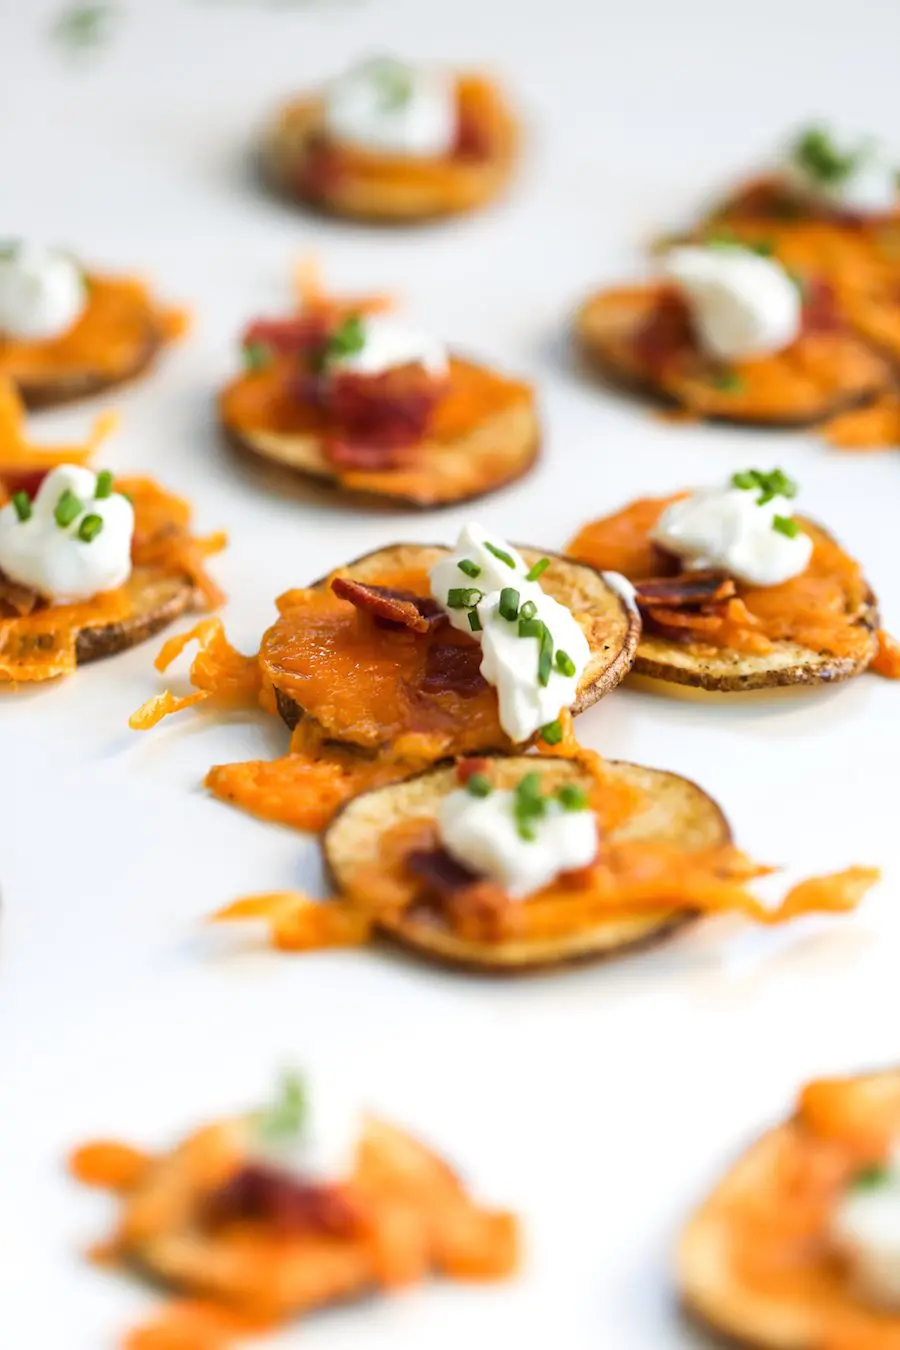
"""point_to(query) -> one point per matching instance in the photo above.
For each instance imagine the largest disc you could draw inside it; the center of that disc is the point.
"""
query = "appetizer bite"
(729, 332)
(256, 1220)
(513, 864)
(394, 142)
(409, 655)
(361, 400)
(67, 332)
(796, 1248)
(89, 564)
(738, 593)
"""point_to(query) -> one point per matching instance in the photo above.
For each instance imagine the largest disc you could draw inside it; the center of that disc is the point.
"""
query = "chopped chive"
(528, 610)
(531, 628)
(545, 657)
(571, 797)
(729, 381)
(475, 621)
(104, 485)
(90, 527)
(256, 355)
(287, 1115)
(746, 479)
(22, 503)
(499, 553)
(348, 338)
(470, 568)
(538, 570)
(464, 597)
(564, 664)
(67, 508)
(509, 603)
(479, 785)
(771, 485)
(870, 1177)
(552, 733)
(786, 525)
(529, 806)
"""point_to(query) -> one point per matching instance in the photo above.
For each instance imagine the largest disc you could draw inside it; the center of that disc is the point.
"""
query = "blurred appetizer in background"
(258, 1219)
(362, 400)
(67, 331)
(89, 564)
(738, 593)
(733, 332)
(409, 655)
(513, 864)
(797, 1246)
(394, 142)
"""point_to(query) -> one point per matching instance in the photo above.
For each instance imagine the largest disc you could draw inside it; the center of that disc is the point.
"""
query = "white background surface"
(601, 1103)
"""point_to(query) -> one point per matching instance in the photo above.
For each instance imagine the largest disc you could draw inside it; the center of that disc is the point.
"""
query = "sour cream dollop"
(74, 561)
(388, 342)
(481, 567)
(393, 108)
(483, 833)
(865, 1230)
(320, 1143)
(42, 293)
(842, 172)
(731, 529)
(743, 305)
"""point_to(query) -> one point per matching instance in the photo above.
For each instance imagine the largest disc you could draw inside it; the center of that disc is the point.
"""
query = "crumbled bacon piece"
(820, 308)
(666, 332)
(439, 872)
(392, 409)
(368, 456)
(473, 139)
(466, 768)
(299, 335)
(686, 590)
(403, 609)
(452, 667)
(23, 480)
(287, 1204)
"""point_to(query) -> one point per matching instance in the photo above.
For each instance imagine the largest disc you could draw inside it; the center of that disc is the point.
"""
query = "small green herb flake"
(104, 485)
(564, 664)
(256, 356)
(529, 628)
(528, 610)
(22, 505)
(538, 569)
(770, 485)
(394, 83)
(347, 339)
(870, 1177)
(90, 527)
(67, 508)
(464, 597)
(786, 525)
(815, 152)
(545, 657)
(479, 785)
(727, 381)
(501, 555)
(509, 604)
(475, 621)
(529, 806)
(470, 568)
(552, 733)
(285, 1117)
(571, 797)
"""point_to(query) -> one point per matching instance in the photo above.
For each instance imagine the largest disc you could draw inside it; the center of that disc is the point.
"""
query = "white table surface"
(602, 1102)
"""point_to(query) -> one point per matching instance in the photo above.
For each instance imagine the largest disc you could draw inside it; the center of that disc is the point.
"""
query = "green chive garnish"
(90, 527)
(470, 568)
(479, 785)
(67, 508)
(786, 525)
(538, 570)
(817, 153)
(564, 664)
(571, 797)
(464, 597)
(545, 658)
(474, 621)
(729, 381)
(22, 503)
(498, 553)
(104, 485)
(870, 1177)
(256, 355)
(530, 628)
(348, 338)
(771, 485)
(509, 603)
(528, 806)
(528, 610)
(286, 1117)
(552, 733)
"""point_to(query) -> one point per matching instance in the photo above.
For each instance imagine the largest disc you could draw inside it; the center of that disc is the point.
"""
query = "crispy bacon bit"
(820, 308)
(453, 668)
(473, 139)
(467, 767)
(24, 480)
(393, 609)
(685, 591)
(299, 335)
(368, 457)
(21, 600)
(392, 409)
(439, 872)
(666, 333)
(287, 1204)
